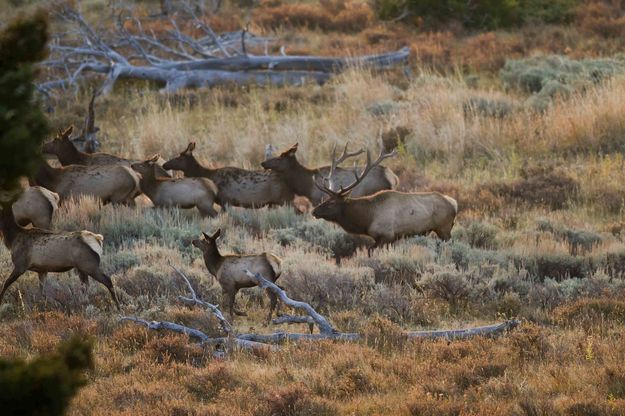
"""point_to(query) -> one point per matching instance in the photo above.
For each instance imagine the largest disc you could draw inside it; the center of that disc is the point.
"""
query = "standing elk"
(44, 252)
(229, 271)
(36, 206)
(302, 180)
(236, 186)
(387, 216)
(176, 192)
(109, 183)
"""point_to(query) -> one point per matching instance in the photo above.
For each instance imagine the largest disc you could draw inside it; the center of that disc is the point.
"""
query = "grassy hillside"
(532, 150)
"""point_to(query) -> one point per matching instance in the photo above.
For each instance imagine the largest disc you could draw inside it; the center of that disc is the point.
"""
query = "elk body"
(36, 206)
(237, 187)
(302, 180)
(176, 192)
(387, 216)
(109, 183)
(229, 270)
(44, 251)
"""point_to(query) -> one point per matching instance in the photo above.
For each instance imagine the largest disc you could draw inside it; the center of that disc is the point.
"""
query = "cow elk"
(36, 206)
(389, 215)
(229, 271)
(109, 183)
(176, 192)
(302, 180)
(236, 186)
(65, 150)
(44, 252)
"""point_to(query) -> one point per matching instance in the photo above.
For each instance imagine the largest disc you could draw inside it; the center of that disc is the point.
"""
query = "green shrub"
(45, 385)
(477, 234)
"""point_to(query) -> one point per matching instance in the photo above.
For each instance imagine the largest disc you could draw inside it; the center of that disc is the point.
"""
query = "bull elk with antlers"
(303, 181)
(236, 186)
(44, 252)
(229, 270)
(389, 215)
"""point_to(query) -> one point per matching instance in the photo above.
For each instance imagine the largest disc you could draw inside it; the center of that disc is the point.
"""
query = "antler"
(335, 162)
(359, 177)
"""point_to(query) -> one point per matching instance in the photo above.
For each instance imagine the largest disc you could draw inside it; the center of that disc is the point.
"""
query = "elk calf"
(36, 206)
(302, 180)
(387, 216)
(236, 187)
(109, 183)
(182, 192)
(46, 252)
(229, 270)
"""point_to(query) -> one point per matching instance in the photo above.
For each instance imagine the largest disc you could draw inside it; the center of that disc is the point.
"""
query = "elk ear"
(154, 158)
(216, 235)
(206, 236)
(291, 151)
(191, 147)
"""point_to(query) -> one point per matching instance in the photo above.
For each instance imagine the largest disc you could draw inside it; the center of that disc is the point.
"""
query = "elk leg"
(372, 247)
(84, 279)
(273, 305)
(42, 280)
(15, 274)
(207, 210)
(106, 281)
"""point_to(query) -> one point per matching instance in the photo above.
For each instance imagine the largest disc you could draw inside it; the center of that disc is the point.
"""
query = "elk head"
(283, 163)
(183, 161)
(60, 142)
(208, 244)
(145, 168)
(333, 208)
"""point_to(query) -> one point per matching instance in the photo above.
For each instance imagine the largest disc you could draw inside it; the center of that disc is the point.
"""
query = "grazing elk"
(36, 206)
(176, 192)
(302, 180)
(229, 271)
(44, 252)
(236, 186)
(67, 153)
(387, 216)
(109, 183)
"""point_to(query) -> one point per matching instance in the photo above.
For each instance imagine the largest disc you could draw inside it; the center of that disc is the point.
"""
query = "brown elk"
(302, 180)
(176, 192)
(67, 153)
(109, 183)
(44, 252)
(387, 216)
(236, 186)
(229, 270)
(36, 206)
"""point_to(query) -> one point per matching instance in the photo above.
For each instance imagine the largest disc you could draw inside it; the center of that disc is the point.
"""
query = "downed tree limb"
(178, 60)
(321, 322)
(244, 344)
(487, 330)
(194, 300)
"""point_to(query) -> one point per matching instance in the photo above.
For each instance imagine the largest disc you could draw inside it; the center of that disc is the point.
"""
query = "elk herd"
(362, 200)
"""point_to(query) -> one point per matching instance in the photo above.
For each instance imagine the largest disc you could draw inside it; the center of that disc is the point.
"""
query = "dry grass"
(539, 237)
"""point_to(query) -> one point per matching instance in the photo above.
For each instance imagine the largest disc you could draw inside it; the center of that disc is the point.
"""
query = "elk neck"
(69, 155)
(149, 183)
(300, 179)
(356, 215)
(213, 259)
(194, 169)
